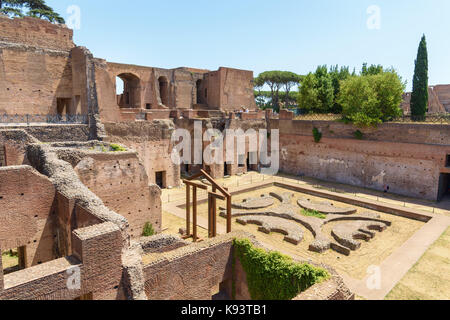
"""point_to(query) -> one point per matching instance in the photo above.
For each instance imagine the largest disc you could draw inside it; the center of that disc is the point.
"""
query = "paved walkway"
(397, 265)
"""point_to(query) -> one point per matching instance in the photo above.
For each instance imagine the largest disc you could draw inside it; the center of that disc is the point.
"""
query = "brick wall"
(36, 32)
(120, 180)
(408, 158)
(32, 223)
(190, 273)
(152, 142)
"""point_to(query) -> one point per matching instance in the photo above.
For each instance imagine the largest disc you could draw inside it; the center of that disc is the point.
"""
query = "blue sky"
(260, 35)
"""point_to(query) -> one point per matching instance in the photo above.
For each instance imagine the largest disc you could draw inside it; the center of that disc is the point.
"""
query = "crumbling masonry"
(72, 206)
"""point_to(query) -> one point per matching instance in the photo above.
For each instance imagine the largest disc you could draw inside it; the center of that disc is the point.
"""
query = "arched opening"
(128, 91)
(199, 92)
(164, 90)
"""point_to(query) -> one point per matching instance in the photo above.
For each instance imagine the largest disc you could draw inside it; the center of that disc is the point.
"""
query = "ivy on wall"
(273, 276)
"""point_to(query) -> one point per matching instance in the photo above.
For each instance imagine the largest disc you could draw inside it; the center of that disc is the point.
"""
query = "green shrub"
(313, 213)
(117, 148)
(317, 135)
(358, 134)
(148, 230)
(371, 99)
(273, 276)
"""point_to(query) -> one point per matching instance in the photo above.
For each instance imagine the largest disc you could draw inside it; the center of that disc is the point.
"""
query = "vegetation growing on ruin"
(317, 135)
(30, 8)
(273, 276)
(117, 148)
(358, 134)
(313, 213)
(148, 230)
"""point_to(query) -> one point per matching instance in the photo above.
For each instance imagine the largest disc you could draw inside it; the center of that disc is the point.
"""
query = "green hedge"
(273, 276)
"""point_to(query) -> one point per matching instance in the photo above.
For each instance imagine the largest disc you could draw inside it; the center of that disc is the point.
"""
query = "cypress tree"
(419, 96)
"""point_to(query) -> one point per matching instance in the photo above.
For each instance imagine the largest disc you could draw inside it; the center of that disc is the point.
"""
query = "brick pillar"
(99, 247)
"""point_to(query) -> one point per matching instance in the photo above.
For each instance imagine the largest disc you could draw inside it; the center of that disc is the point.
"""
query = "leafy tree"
(35, 8)
(289, 80)
(308, 96)
(368, 100)
(419, 96)
(372, 70)
(338, 75)
(316, 92)
(325, 90)
(276, 80)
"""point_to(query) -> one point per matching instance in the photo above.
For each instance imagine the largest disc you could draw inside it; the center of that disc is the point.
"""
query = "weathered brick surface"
(386, 156)
(99, 248)
(120, 180)
(32, 223)
(35, 32)
(189, 273)
(152, 142)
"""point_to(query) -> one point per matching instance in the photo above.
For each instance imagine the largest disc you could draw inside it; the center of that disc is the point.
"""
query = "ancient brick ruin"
(69, 204)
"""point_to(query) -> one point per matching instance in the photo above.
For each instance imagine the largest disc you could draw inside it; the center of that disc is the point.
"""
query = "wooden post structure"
(194, 214)
(194, 186)
(188, 209)
(212, 205)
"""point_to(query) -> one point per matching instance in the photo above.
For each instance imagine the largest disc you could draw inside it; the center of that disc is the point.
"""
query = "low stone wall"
(407, 158)
(200, 270)
(54, 133)
(96, 259)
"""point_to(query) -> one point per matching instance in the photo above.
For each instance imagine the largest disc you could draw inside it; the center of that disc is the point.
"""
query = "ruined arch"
(164, 90)
(130, 96)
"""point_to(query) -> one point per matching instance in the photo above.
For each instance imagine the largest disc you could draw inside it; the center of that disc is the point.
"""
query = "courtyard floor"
(401, 245)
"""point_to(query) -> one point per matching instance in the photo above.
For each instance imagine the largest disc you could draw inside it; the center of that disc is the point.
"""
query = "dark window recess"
(447, 161)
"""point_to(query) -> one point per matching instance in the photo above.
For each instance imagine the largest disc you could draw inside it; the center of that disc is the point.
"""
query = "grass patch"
(313, 213)
(10, 259)
(116, 148)
(274, 276)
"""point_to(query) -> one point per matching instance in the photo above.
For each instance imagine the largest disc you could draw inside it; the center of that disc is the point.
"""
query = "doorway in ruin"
(164, 90)
(14, 260)
(128, 92)
(226, 169)
(252, 161)
(444, 186)
(160, 179)
(198, 85)
(63, 106)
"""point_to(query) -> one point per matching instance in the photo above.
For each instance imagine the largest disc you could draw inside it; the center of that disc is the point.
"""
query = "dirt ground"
(429, 279)
(370, 253)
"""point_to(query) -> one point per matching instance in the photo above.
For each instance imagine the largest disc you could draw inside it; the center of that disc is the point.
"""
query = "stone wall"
(120, 180)
(152, 141)
(97, 259)
(32, 223)
(408, 158)
(35, 32)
